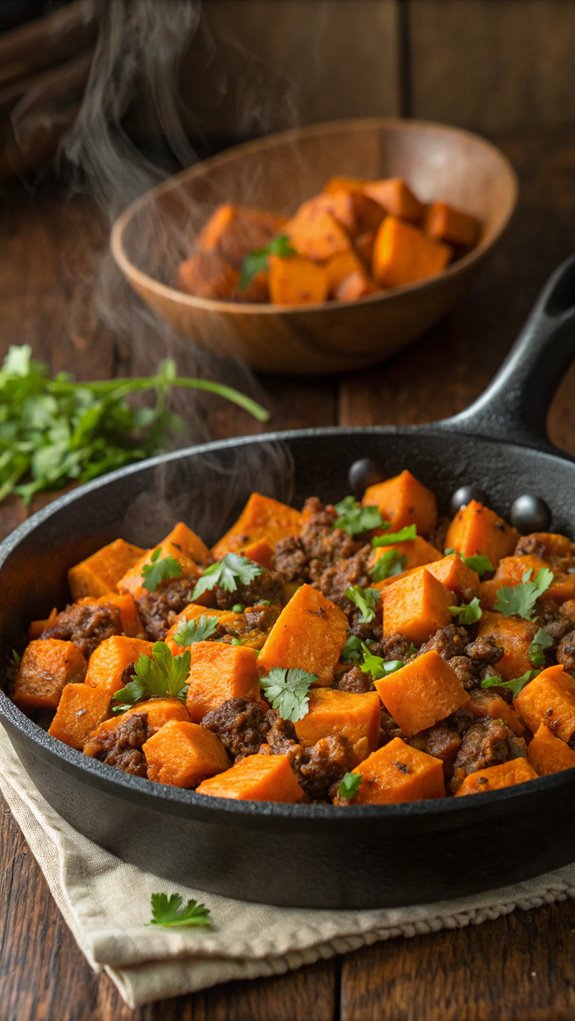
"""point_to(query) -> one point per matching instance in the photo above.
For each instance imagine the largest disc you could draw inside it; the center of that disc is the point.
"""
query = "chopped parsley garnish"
(160, 570)
(287, 691)
(238, 608)
(404, 534)
(257, 261)
(515, 685)
(480, 564)
(541, 641)
(226, 574)
(352, 650)
(519, 600)
(366, 600)
(354, 519)
(378, 667)
(160, 675)
(170, 912)
(198, 630)
(389, 564)
(467, 613)
(349, 785)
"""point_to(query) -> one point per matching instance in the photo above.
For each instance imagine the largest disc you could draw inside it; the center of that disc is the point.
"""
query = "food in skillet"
(349, 654)
(355, 238)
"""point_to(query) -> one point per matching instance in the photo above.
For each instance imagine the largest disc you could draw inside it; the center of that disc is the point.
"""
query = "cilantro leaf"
(377, 666)
(159, 571)
(351, 652)
(287, 691)
(169, 912)
(404, 534)
(519, 600)
(198, 630)
(349, 785)
(160, 675)
(366, 600)
(257, 261)
(515, 685)
(467, 613)
(480, 564)
(355, 519)
(542, 640)
(226, 573)
(389, 564)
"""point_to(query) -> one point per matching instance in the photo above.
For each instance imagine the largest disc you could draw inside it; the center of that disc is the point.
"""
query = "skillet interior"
(296, 855)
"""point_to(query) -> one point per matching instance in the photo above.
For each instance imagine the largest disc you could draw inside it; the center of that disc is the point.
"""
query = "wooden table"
(518, 968)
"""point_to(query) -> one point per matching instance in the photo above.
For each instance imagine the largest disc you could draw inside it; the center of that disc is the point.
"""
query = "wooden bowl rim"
(142, 280)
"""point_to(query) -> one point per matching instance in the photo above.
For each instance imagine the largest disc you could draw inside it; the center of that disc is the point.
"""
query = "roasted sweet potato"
(191, 612)
(493, 778)
(397, 773)
(396, 198)
(477, 529)
(262, 519)
(158, 711)
(356, 285)
(99, 574)
(182, 544)
(296, 281)
(256, 778)
(219, 672)
(129, 617)
(550, 699)
(548, 753)
(181, 754)
(109, 661)
(333, 712)
(233, 231)
(316, 234)
(46, 667)
(208, 275)
(309, 633)
(514, 635)
(80, 710)
(444, 223)
(421, 693)
(486, 702)
(415, 552)
(511, 570)
(403, 500)
(416, 606)
(403, 254)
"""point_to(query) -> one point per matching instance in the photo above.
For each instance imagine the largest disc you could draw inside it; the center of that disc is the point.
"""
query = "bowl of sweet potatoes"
(322, 249)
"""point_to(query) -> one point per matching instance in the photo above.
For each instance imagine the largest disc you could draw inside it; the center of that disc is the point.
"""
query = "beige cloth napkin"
(106, 904)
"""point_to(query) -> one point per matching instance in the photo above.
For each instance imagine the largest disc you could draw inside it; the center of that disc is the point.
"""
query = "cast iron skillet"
(318, 856)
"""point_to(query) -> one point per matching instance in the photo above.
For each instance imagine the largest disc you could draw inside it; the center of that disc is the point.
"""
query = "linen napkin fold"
(106, 904)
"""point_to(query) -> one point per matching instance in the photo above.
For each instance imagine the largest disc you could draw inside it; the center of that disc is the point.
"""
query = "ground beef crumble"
(241, 724)
(122, 745)
(86, 625)
(486, 743)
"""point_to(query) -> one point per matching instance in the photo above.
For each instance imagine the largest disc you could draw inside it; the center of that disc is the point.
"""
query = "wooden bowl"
(155, 233)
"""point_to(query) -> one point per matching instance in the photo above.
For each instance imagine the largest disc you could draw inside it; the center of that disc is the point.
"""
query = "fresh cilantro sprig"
(226, 573)
(519, 600)
(389, 564)
(403, 535)
(542, 640)
(366, 600)
(54, 430)
(257, 261)
(160, 675)
(478, 563)
(467, 613)
(159, 570)
(515, 685)
(352, 650)
(376, 666)
(171, 913)
(287, 691)
(354, 519)
(199, 630)
(349, 785)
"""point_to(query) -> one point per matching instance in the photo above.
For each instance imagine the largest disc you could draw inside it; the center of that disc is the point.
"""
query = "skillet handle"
(514, 406)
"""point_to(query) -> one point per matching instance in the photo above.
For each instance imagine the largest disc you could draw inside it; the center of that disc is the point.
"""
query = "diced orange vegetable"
(80, 710)
(46, 667)
(416, 606)
(477, 529)
(421, 693)
(514, 635)
(256, 778)
(296, 281)
(208, 275)
(219, 672)
(416, 552)
(337, 183)
(403, 500)
(397, 773)
(556, 545)
(234, 231)
(455, 575)
(260, 552)
(261, 519)
(340, 266)
(158, 711)
(130, 622)
(396, 198)
(364, 244)
(316, 234)
(444, 223)
(181, 754)
(182, 544)
(485, 702)
(356, 285)
(191, 612)
(97, 575)
(309, 633)
(549, 698)
(36, 627)
(333, 712)
(493, 778)
(403, 254)
(548, 753)
(354, 210)
(110, 659)
(511, 570)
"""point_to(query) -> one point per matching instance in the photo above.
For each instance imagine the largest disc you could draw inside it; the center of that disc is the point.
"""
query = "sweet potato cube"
(444, 223)
(477, 529)
(337, 183)
(416, 606)
(549, 698)
(234, 231)
(554, 545)
(403, 254)
(208, 275)
(181, 754)
(219, 672)
(486, 702)
(354, 210)
(403, 500)
(256, 778)
(364, 245)
(333, 712)
(356, 285)
(548, 753)
(340, 266)
(514, 635)
(316, 234)
(110, 659)
(493, 778)
(262, 518)
(417, 552)
(510, 571)
(397, 773)
(46, 667)
(260, 552)
(296, 281)
(130, 622)
(97, 575)
(37, 627)
(158, 711)
(422, 693)
(182, 544)
(455, 575)
(396, 198)
(80, 710)
(309, 633)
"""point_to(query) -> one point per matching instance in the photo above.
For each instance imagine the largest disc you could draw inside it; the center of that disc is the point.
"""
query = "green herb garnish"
(354, 519)
(541, 641)
(349, 785)
(389, 564)
(404, 534)
(519, 600)
(159, 570)
(515, 685)
(238, 608)
(160, 675)
(366, 600)
(287, 691)
(169, 912)
(352, 650)
(226, 573)
(257, 262)
(378, 667)
(188, 632)
(480, 564)
(467, 613)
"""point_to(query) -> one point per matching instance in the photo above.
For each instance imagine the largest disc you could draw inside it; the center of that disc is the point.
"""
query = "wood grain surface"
(518, 968)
